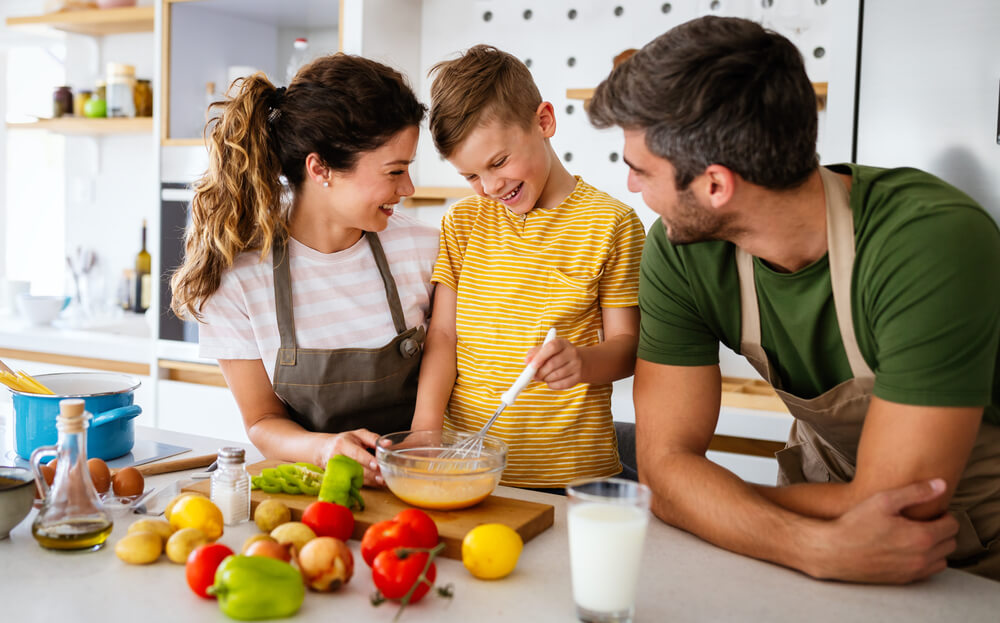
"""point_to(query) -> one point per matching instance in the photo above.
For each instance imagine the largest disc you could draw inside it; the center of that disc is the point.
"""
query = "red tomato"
(394, 576)
(421, 524)
(201, 566)
(329, 519)
(385, 535)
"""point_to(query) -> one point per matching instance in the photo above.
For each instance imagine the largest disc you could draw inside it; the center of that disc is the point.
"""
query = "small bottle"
(72, 516)
(300, 54)
(121, 90)
(62, 102)
(231, 486)
(143, 279)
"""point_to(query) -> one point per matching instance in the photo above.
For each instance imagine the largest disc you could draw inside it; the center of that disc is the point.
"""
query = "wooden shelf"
(94, 22)
(182, 142)
(435, 195)
(586, 94)
(85, 125)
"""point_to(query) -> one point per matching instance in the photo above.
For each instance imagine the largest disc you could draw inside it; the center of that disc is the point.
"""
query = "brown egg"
(49, 474)
(100, 474)
(127, 482)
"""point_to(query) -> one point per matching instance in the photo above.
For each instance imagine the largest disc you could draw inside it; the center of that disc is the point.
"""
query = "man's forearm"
(703, 498)
(821, 500)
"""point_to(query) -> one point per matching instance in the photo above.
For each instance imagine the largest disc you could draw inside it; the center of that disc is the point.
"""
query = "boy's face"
(507, 163)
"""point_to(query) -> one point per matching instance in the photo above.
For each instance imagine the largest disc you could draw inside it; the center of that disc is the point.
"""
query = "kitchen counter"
(128, 339)
(683, 579)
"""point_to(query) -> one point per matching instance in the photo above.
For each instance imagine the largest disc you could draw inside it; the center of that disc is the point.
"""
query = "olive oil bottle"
(143, 278)
(72, 516)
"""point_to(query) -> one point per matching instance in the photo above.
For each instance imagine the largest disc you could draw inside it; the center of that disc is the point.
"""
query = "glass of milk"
(607, 526)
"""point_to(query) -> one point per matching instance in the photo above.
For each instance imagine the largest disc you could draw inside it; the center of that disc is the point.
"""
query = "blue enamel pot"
(107, 396)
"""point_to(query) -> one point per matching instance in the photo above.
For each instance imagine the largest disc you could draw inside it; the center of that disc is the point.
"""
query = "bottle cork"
(70, 418)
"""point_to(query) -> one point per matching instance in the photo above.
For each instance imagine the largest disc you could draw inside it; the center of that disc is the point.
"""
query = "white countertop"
(127, 339)
(683, 579)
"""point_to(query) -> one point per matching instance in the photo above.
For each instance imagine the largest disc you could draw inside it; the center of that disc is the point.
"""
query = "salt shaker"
(231, 486)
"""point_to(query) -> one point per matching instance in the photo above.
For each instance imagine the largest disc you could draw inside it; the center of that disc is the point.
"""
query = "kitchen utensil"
(411, 463)
(529, 519)
(176, 465)
(17, 490)
(207, 473)
(472, 445)
(107, 396)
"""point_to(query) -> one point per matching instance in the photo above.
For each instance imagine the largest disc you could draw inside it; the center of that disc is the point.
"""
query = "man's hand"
(874, 542)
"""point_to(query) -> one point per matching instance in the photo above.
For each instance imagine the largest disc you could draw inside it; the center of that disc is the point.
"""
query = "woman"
(319, 341)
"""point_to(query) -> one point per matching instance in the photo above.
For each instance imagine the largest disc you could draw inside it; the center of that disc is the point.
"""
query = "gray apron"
(335, 390)
(823, 441)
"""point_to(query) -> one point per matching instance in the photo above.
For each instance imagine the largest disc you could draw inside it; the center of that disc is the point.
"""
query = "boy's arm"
(438, 367)
(562, 365)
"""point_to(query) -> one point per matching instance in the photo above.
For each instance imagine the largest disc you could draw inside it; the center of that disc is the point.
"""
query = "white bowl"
(40, 310)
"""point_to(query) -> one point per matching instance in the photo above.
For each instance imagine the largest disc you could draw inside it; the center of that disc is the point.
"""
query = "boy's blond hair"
(482, 85)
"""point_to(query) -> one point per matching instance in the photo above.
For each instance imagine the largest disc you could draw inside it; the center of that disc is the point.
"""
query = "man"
(867, 297)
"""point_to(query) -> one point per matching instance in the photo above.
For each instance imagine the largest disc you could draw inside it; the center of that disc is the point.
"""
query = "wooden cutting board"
(528, 518)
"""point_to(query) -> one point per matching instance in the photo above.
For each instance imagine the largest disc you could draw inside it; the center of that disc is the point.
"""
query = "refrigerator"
(928, 85)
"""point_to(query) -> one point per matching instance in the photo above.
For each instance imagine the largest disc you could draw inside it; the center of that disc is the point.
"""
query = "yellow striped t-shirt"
(515, 276)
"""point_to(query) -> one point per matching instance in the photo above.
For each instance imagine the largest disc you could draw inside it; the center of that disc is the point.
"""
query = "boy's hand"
(559, 363)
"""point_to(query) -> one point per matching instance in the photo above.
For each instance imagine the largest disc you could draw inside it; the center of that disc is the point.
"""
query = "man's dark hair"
(717, 90)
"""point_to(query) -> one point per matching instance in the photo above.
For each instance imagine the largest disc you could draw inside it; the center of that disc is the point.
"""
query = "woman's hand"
(558, 363)
(355, 444)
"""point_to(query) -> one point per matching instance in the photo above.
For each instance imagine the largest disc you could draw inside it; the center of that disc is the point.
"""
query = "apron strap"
(750, 341)
(282, 274)
(391, 293)
(840, 249)
(840, 252)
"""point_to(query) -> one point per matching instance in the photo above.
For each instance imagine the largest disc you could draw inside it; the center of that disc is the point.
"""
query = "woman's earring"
(326, 184)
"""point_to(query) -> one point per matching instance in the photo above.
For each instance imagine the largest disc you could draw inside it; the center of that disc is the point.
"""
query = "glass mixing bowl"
(416, 472)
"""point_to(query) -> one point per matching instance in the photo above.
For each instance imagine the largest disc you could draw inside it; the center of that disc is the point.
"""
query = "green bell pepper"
(342, 482)
(257, 587)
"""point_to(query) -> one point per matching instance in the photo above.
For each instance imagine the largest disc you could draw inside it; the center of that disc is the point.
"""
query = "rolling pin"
(176, 465)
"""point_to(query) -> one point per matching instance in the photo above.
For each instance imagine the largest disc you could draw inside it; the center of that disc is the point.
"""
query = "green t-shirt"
(925, 297)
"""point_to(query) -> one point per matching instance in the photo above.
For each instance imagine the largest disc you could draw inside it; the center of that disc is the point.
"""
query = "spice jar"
(72, 516)
(100, 90)
(62, 101)
(120, 96)
(143, 98)
(230, 489)
(80, 102)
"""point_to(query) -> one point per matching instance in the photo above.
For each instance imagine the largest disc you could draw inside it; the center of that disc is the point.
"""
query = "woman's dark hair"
(338, 107)
(717, 90)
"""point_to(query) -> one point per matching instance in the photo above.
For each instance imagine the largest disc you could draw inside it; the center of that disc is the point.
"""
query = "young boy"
(538, 248)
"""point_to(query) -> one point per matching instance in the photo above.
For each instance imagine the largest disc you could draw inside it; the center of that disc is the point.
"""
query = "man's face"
(684, 217)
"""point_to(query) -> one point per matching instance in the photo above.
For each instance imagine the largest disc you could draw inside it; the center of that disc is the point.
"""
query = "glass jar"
(80, 102)
(143, 98)
(72, 516)
(100, 90)
(62, 102)
(120, 90)
(230, 489)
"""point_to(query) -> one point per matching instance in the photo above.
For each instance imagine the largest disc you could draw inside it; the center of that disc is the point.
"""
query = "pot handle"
(120, 413)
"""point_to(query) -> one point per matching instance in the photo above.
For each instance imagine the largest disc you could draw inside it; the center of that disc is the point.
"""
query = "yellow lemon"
(490, 551)
(197, 512)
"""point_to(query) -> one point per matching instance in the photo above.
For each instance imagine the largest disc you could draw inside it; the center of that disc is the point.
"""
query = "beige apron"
(334, 390)
(823, 441)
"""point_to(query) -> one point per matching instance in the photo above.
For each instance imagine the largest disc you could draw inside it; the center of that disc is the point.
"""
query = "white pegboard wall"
(571, 44)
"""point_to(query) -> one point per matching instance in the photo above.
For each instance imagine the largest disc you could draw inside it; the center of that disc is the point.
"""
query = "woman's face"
(364, 197)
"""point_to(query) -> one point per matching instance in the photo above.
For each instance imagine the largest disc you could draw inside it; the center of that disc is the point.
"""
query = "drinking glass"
(607, 526)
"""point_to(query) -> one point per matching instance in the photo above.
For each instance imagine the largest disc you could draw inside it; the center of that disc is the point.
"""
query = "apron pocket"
(800, 463)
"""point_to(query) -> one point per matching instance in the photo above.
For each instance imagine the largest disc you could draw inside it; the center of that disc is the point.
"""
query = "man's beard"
(693, 223)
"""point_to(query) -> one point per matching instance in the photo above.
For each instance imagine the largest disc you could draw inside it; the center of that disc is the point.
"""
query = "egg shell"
(99, 474)
(127, 482)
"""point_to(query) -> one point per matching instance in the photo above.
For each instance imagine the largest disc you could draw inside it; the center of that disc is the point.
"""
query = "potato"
(182, 543)
(270, 514)
(295, 533)
(156, 526)
(139, 548)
